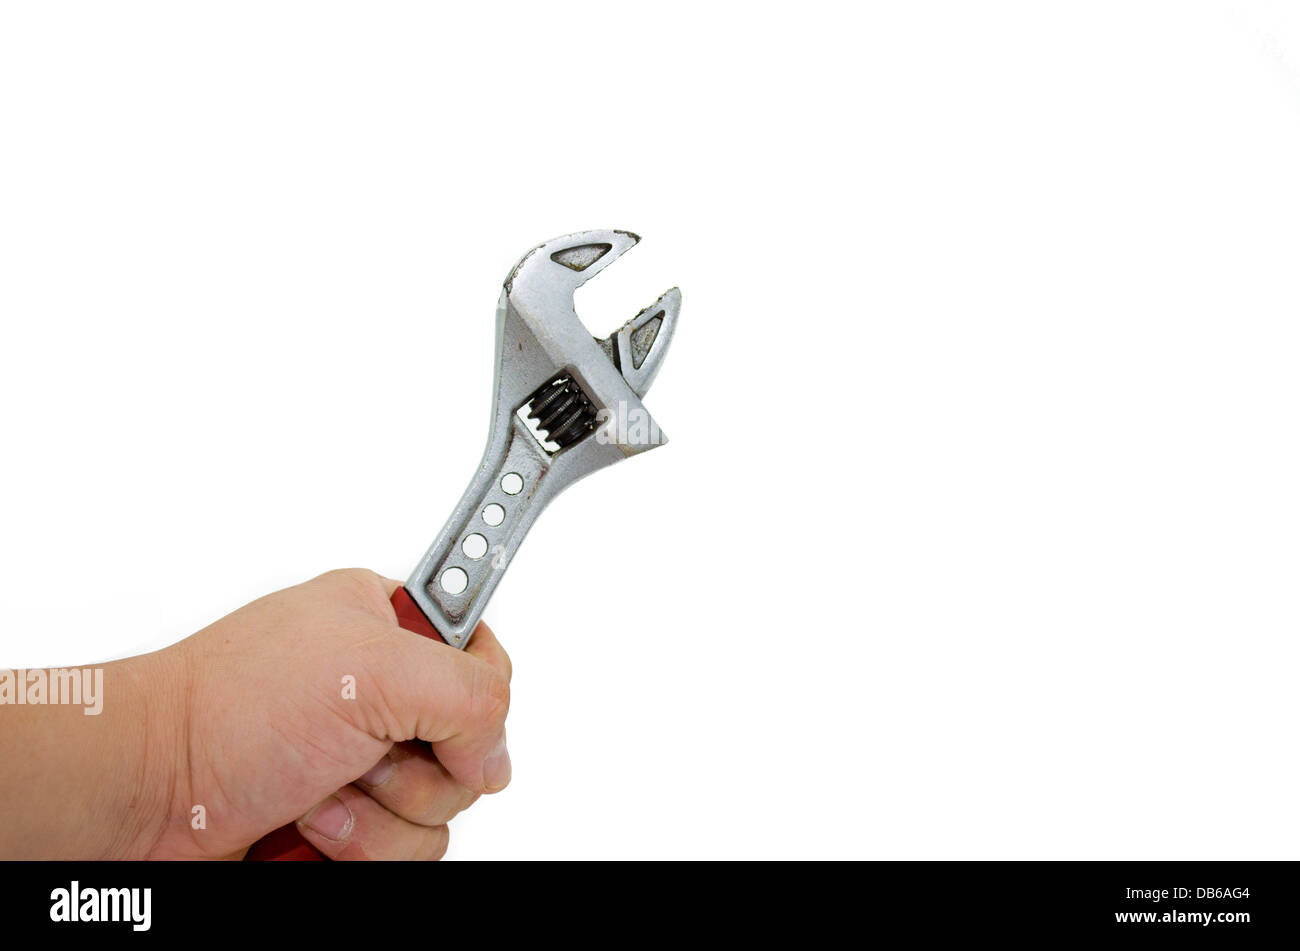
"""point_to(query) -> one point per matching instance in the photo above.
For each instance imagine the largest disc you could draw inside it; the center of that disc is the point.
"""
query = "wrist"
(155, 783)
(92, 758)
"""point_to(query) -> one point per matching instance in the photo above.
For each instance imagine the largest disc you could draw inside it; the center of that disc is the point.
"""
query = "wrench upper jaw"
(566, 263)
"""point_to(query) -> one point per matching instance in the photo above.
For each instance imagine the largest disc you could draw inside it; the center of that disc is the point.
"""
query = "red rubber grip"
(286, 843)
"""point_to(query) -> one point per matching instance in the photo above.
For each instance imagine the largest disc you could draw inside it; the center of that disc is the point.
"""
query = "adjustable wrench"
(565, 404)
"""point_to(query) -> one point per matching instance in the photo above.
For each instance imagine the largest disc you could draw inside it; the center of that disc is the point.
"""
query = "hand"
(309, 704)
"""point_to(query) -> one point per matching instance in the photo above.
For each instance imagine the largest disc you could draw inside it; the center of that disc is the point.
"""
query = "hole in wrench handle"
(286, 843)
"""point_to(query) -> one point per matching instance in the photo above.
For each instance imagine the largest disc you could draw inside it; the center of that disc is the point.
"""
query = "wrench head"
(542, 343)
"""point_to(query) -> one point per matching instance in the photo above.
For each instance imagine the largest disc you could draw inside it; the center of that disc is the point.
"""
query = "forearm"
(86, 784)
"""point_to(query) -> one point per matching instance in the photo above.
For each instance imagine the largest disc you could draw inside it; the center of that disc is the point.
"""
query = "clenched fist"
(310, 704)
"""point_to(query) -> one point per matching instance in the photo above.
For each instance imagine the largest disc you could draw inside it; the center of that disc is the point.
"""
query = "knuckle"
(361, 583)
(491, 695)
(427, 807)
(345, 575)
(468, 798)
(444, 805)
(435, 846)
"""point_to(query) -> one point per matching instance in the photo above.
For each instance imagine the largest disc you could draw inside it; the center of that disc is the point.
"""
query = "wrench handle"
(286, 844)
(410, 617)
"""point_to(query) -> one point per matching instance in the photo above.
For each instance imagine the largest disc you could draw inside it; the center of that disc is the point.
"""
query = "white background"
(977, 534)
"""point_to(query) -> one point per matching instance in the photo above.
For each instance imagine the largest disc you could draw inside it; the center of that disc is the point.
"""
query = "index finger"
(485, 646)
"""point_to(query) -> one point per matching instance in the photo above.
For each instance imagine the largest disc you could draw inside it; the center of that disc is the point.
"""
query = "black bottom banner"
(1233, 902)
